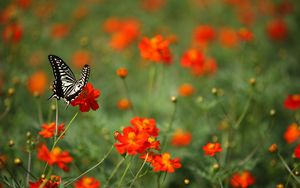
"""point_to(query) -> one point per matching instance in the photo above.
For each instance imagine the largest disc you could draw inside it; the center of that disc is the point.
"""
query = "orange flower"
(124, 104)
(37, 83)
(245, 35)
(87, 182)
(24, 3)
(212, 148)
(153, 5)
(155, 49)
(297, 151)
(49, 130)
(55, 156)
(164, 163)
(81, 58)
(292, 102)
(186, 90)
(192, 57)
(204, 34)
(12, 33)
(242, 179)
(292, 133)
(209, 67)
(228, 37)
(122, 72)
(8, 13)
(145, 124)
(132, 141)
(124, 32)
(52, 182)
(277, 29)
(181, 138)
(59, 31)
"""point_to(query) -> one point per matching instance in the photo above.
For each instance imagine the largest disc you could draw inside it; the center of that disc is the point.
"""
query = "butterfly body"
(65, 85)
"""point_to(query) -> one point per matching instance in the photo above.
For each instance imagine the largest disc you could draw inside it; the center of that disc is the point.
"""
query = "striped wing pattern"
(65, 84)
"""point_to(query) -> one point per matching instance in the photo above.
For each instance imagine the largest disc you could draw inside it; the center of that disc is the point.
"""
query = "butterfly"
(65, 84)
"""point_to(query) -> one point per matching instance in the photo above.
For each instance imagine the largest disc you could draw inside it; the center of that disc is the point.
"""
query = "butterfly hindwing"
(65, 84)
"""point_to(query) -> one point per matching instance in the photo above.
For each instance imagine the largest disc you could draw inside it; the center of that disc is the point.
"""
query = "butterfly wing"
(72, 94)
(64, 77)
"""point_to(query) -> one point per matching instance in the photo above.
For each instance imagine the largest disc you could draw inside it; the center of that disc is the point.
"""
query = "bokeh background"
(252, 48)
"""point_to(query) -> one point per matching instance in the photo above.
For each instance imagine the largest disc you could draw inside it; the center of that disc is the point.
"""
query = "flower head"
(186, 90)
(228, 37)
(87, 182)
(87, 99)
(242, 179)
(155, 49)
(132, 141)
(212, 148)
(145, 124)
(297, 151)
(292, 133)
(124, 104)
(292, 102)
(55, 156)
(181, 138)
(277, 30)
(37, 83)
(245, 35)
(12, 33)
(122, 72)
(49, 130)
(192, 58)
(60, 30)
(204, 34)
(81, 58)
(164, 163)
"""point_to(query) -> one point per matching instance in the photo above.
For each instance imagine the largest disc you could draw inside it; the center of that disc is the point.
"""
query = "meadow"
(178, 93)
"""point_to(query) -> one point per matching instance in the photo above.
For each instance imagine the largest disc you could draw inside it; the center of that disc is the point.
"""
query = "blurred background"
(250, 51)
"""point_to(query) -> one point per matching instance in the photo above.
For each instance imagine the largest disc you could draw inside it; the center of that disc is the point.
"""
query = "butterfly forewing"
(65, 84)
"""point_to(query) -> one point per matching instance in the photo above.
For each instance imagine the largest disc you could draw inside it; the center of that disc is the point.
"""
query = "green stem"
(28, 168)
(56, 120)
(169, 127)
(40, 113)
(139, 171)
(90, 169)
(114, 171)
(287, 167)
(125, 172)
(128, 96)
(62, 134)
(241, 118)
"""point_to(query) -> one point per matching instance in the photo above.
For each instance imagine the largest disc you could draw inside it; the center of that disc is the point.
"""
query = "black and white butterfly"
(65, 84)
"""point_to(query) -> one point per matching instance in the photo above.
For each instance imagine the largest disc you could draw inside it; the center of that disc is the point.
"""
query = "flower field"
(149, 93)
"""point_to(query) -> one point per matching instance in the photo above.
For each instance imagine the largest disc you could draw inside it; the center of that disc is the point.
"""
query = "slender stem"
(56, 121)
(114, 171)
(28, 168)
(10, 173)
(137, 174)
(128, 96)
(169, 127)
(40, 113)
(241, 118)
(287, 167)
(158, 180)
(125, 172)
(62, 134)
(90, 169)
(220, 182)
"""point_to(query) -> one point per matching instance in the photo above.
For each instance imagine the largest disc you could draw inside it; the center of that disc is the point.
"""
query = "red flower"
(228, 37)
(212, 148)
(292, 102)
(86, 99)
(292, 133)
(132, 141)
(59, 31)
(55, 156)
(53, 182)
(242, 180)
(164, 163)
(145, 124)
(49, 130)
(12, 33)
(155, 49)
(297, 151)
(186, 90)
(192, 58)
(204, 34)
(87, 182)
(181, 138)
(277, 30)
